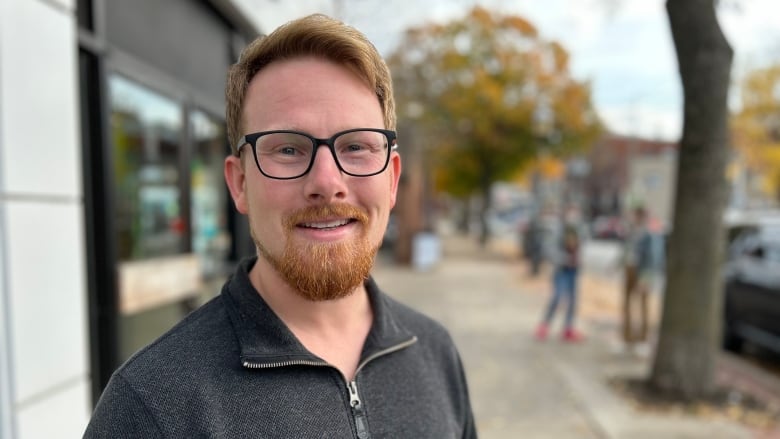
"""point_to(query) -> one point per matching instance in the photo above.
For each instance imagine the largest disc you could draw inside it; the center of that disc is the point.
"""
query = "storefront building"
(114, 217)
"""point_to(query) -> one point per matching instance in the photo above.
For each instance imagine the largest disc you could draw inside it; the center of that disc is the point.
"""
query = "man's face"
(320, 232)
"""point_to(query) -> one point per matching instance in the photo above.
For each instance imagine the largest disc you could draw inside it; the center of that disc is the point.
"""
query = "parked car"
(752, 289)
(608, 227)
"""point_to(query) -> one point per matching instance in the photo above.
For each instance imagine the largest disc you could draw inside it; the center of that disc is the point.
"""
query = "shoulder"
(415, 320)
(164, 376)
(435, 347)
(191, 342)
(122, 412)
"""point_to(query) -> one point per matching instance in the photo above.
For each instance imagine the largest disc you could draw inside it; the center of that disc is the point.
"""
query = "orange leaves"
(483, 81)
(521, 25)
(551, 168)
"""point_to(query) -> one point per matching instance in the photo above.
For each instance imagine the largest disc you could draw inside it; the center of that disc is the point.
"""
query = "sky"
(623, 48)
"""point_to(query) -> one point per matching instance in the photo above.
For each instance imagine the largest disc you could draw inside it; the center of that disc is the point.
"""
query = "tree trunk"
(487, 202)
(408, 209)
(464, 216)
(689, 340)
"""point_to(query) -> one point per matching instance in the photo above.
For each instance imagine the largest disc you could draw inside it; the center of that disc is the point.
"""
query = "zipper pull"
(357, 411)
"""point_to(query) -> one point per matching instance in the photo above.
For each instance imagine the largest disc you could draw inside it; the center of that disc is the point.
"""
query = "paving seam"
(588, 397)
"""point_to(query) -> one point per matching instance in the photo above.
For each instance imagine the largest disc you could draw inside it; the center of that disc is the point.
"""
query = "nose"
(325, 182)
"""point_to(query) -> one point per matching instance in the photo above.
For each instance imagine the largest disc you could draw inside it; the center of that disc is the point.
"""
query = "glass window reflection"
(210, 237)
(146, 131)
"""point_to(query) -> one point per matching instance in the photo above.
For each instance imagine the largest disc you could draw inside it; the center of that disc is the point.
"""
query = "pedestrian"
(642, 258)
(532, 244)
(301, 342)
(565, 256)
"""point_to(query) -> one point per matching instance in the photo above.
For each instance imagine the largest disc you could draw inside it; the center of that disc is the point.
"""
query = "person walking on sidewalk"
(301, 342)
(565, 255)
(531, 237)
(642, 256)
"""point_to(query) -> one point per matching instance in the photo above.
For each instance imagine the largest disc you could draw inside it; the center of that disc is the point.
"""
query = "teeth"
(327, 225)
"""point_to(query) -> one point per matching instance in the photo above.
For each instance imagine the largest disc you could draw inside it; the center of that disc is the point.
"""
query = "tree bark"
(408, 208)
(689, 340)
(486, 183)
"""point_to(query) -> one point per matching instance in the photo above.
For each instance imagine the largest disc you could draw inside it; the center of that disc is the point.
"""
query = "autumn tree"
(689, 339)
(756, 128)
(483, 93)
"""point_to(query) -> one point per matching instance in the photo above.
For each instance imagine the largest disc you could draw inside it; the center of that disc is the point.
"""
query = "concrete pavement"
(524, 388)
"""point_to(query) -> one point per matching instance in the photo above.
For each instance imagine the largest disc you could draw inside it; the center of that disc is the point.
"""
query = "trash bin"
(426, 251)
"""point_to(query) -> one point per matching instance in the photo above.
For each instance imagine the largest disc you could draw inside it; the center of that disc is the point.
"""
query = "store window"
(162, 183)
(210, 236)
(146, 131)
(170, 209)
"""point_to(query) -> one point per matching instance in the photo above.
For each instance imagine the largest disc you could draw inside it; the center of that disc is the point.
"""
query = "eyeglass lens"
(286, 155)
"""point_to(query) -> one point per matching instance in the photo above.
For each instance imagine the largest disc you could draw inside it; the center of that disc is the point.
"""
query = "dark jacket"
(233, 369)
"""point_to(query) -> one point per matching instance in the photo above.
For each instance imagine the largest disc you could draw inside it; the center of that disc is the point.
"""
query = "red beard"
(323, 270)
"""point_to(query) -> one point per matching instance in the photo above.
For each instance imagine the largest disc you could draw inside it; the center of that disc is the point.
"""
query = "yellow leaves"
(482, 80)
(771, 156)
(482, 16)
(561, 56)
(545, 165)
(761, 90)
(755, 128)
(551, 168)
(521, 25)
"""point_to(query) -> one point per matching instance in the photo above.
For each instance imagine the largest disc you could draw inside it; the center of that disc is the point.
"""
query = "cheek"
(264, 207)
(380, 200)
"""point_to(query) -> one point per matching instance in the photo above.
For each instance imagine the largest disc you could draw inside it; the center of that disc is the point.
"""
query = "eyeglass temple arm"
(241, 143)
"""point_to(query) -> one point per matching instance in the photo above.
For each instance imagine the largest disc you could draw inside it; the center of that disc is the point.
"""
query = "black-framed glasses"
(287, 154)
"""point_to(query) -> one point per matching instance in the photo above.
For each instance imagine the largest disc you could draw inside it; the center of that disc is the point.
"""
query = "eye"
(288, 150)
(354, 147)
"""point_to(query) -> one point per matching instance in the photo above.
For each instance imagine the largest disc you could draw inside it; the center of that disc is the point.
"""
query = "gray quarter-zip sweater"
(232, 369)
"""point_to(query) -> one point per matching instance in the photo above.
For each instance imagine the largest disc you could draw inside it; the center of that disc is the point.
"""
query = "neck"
(334, 330)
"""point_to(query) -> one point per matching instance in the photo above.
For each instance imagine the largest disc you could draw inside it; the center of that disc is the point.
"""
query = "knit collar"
(266, 340)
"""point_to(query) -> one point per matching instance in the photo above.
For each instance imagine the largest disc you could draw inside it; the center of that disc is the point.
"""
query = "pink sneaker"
(541, 332)
(571, 335)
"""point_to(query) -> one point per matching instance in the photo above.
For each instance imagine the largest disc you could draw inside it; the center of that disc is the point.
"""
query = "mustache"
(316, 213)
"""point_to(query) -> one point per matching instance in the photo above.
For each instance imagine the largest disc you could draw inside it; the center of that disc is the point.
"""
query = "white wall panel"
(6, 384)
(63, 414)
(47, 295)
(68, 5)
(39, 82)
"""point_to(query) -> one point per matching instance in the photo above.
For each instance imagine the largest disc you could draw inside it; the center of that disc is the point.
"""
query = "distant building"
(628, 171)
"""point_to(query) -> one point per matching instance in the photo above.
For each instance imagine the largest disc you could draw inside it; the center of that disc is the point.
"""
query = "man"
(641, 263)
(301, 342)
(533, 243)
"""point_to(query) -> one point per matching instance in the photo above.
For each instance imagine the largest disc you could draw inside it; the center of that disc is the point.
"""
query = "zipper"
(251, 365)
(361, 426)
(356, 405)
(386, 351)
(358, 415)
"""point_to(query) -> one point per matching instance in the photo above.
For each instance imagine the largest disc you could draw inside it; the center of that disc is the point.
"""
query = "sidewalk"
(524, 388)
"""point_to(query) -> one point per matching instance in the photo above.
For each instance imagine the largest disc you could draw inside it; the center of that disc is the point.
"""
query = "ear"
(395, 175)
(236, 182)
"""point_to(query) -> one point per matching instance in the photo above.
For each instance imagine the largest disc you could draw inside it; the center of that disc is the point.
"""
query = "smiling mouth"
(327, 225)
(330, 217)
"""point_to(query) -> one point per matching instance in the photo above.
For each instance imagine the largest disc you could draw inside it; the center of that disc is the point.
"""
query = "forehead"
(300, 92)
